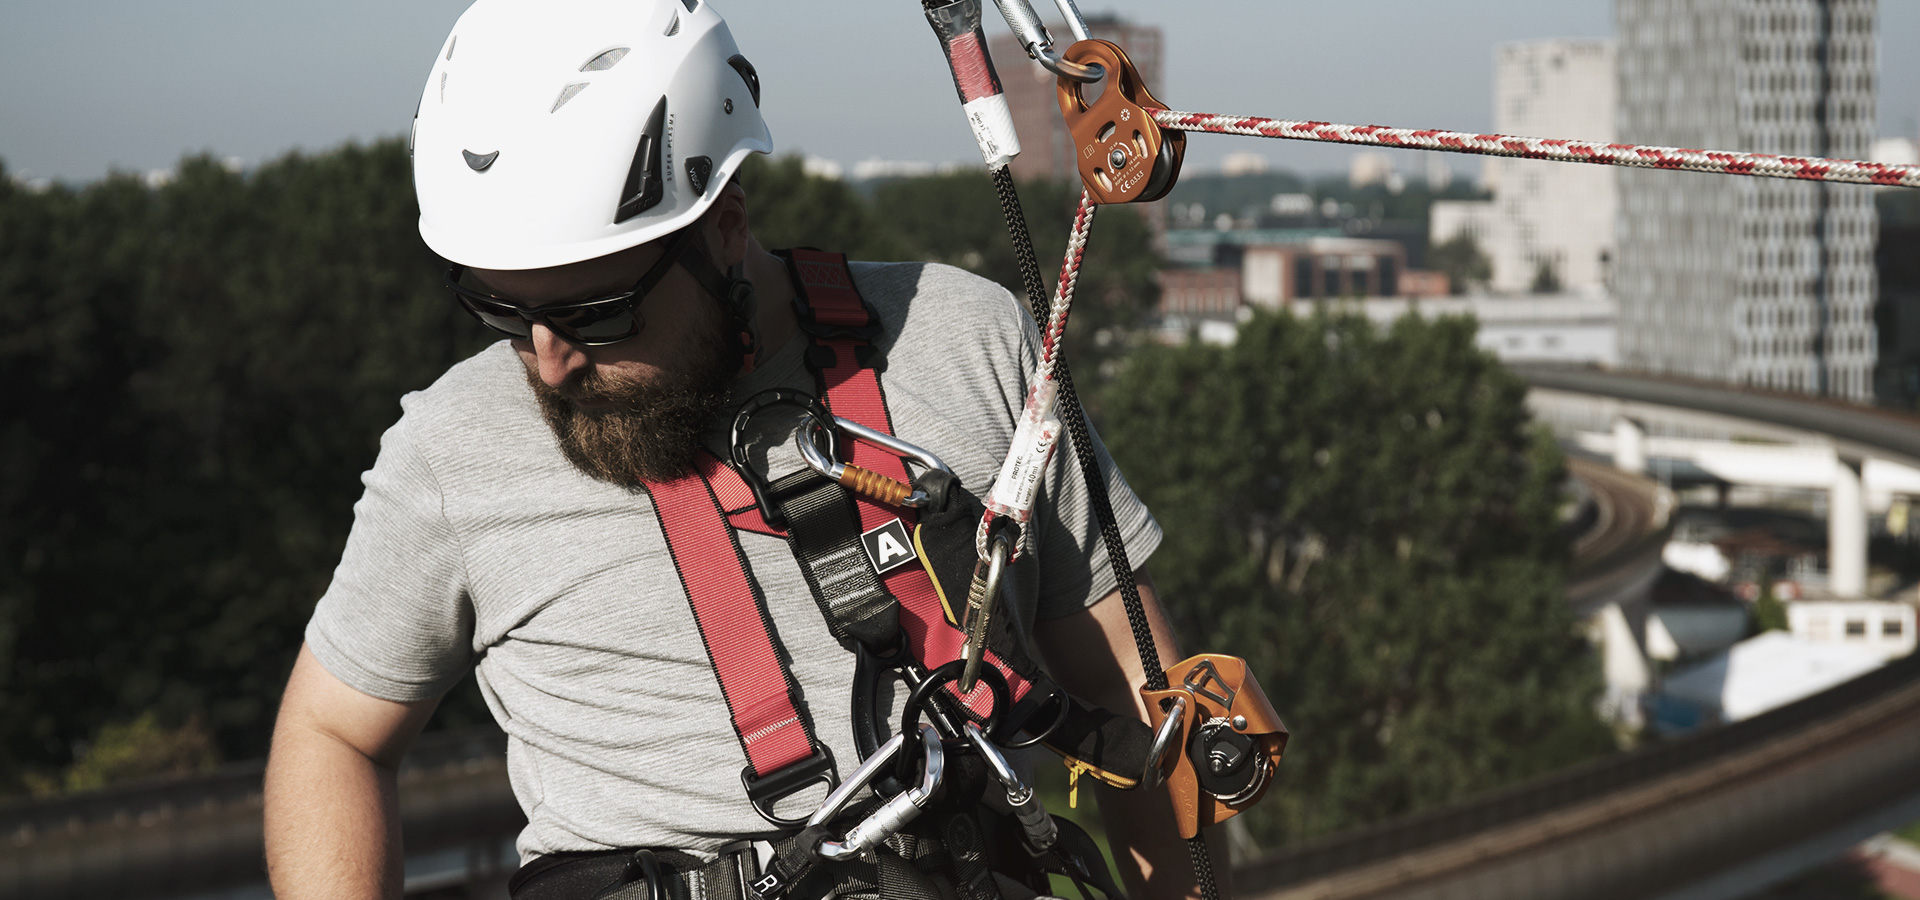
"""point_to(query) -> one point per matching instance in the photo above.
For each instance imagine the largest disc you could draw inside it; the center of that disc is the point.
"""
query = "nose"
(559, 358)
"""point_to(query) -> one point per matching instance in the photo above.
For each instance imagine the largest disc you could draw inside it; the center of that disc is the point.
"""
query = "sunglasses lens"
(598, 323)
(496, 316)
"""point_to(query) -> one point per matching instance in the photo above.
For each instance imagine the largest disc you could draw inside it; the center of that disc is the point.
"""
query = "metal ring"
(1085, 73)
(938, 678)
(1163, 740)
(1059, 719)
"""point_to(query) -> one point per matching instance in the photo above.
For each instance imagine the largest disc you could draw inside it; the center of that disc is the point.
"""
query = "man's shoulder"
(938, 298)
(482, 390)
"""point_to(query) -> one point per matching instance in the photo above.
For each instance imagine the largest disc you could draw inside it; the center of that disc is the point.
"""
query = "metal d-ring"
(817, 414)
(1163, 740)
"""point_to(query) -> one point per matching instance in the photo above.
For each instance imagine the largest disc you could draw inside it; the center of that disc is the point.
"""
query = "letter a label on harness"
(888, 546)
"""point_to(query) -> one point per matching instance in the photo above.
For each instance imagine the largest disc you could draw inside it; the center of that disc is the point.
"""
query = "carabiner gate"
(866, 483)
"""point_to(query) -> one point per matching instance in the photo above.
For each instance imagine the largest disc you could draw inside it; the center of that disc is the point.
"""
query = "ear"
(727, 228)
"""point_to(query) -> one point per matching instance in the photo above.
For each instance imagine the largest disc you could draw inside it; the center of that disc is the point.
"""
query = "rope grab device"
(1216, 737)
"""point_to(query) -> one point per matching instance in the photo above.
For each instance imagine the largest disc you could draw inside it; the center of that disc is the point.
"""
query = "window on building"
(1302, 277)
(1856, 628)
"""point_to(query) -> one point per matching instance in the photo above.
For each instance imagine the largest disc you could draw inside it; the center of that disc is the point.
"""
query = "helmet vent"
(605, 60)
(645, 184)
(673, 27)
(748, 75)
(479, 161)
(566, 93)
(451, 43)
(443, 87)
(691, 5)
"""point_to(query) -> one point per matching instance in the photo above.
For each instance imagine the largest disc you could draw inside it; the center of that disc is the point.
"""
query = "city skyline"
(239, 80)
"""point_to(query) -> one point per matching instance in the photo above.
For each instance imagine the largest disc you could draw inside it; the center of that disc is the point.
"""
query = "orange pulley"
(1123, 155)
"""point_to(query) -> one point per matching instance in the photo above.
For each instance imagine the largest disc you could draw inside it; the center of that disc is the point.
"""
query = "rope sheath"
(1764, 165)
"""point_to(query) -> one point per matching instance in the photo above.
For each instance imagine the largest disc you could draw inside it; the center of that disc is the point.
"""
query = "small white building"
(1881, 627)
(1756, 675)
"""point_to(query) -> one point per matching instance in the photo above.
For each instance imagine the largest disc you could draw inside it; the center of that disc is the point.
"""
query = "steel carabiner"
(893, 814)
(1032, 34)
(864, 482)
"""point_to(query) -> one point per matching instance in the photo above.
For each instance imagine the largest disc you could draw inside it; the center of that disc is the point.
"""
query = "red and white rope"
(1069, 279)
(1037, 431)
(1761, 164)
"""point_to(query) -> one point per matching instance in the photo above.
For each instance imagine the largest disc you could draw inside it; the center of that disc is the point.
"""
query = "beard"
(651, 431)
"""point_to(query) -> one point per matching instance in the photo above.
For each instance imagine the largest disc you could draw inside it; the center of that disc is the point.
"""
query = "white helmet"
(561, 130)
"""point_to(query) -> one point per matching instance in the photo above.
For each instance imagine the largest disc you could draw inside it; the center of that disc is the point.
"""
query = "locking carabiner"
(893, 814)
(1036, 826)
(866, 483)
(982, 594)
(1033, 36)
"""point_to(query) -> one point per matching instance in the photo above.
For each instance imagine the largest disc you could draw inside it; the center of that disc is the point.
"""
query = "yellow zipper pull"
(1074, 768)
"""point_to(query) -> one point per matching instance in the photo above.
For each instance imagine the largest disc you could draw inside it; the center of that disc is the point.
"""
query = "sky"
(90, 86)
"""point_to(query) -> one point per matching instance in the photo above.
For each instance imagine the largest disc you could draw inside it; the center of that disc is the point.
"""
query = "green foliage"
(1369, 518)
(131, 751)
(200, 374)
(1461, 258)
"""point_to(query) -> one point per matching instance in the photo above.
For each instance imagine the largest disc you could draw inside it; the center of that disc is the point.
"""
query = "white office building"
(1546, 219)
(1753, 281)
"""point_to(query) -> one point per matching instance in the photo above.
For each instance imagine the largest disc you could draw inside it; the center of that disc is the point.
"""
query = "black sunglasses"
(594, 322)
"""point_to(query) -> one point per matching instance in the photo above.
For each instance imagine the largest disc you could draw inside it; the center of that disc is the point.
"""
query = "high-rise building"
(1046, 149)
(1549, 227)
(1755, 281)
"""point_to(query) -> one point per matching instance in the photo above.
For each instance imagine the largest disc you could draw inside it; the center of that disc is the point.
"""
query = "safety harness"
(880, 552)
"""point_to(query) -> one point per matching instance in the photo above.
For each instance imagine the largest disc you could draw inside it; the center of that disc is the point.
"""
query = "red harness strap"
(733, 624)
(837, 320)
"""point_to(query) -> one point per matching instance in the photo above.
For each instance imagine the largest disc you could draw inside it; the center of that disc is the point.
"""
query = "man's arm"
(1093, 656)
(332, 817)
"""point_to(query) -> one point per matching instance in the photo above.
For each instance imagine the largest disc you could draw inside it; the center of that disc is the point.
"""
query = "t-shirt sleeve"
(396, 622)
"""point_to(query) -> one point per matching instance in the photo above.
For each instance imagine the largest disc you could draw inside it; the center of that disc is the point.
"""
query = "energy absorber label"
(1033, 441)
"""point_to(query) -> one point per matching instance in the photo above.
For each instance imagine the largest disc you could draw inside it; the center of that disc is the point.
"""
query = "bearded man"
(575, 163)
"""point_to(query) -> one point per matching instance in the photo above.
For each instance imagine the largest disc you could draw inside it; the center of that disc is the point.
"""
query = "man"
(575, 161)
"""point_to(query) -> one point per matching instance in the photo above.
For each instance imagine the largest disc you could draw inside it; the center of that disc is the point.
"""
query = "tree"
(1369, 518)
(1460, 257)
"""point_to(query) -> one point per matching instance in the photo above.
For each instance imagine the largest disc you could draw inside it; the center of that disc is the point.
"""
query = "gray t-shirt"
(478, 545)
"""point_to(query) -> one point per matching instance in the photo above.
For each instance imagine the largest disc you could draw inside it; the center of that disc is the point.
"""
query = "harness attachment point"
(788, 780)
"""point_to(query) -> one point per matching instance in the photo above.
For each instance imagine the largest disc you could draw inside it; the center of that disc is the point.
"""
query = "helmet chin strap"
(734, 293)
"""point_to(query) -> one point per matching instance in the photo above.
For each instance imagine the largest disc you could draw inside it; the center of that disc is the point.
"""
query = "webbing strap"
(836, 318)
(728, 607)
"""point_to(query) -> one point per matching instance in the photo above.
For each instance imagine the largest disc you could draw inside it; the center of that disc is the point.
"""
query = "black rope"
(1075, 418)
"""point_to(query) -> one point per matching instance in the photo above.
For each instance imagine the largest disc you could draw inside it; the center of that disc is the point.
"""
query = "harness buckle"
(766, 790)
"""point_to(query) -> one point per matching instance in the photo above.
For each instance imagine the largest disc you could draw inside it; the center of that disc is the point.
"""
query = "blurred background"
(1564, 511)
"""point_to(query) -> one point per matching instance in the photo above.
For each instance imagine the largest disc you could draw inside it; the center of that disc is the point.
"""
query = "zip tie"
(1763, 165)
